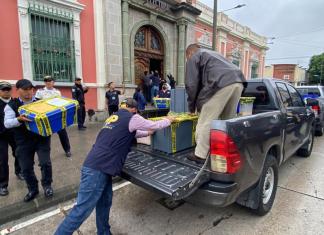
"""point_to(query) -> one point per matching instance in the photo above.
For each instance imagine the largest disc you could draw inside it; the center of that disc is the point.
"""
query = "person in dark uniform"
(29, 143)
(6, 139)
(78, 92)
(112, 98)
(50, 92)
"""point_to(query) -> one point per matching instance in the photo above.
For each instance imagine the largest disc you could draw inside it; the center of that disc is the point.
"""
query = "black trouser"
(64, 139)
(26, 152)
(81, 115)
(147, 93)
(7, 139)
(112, 109)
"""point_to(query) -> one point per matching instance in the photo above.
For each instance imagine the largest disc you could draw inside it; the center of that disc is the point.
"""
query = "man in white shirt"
(49, 92)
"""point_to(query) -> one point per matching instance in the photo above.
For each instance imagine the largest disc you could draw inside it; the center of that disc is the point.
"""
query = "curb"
(21, 209)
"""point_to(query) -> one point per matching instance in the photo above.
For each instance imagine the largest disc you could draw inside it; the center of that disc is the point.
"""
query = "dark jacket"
(147, 80)
(2, 106)
(112, 145)
(155, 80)
(78, 94)
(206, 73)
(22, 135)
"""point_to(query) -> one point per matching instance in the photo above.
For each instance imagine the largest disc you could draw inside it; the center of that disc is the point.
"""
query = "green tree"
(316, 69)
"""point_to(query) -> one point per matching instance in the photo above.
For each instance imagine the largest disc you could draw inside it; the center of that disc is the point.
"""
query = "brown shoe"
(193, 157)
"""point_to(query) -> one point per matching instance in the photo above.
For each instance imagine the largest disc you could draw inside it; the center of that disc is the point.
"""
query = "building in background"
(53, 37)
(147, 35)
(289, 72)
(236, 42)
(114, 41)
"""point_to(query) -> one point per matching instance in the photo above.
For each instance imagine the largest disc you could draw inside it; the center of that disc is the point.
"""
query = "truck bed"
(170, 175)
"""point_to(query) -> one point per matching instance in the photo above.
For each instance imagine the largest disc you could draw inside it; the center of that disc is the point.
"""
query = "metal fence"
(52, 49)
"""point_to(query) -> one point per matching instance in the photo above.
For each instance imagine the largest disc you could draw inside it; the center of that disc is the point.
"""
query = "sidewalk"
(66, 176)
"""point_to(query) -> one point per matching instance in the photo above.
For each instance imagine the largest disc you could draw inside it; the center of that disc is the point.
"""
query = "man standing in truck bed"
(214, 87)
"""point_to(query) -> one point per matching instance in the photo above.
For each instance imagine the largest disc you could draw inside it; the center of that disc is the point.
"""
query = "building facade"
(147, 35)
(236, 42)
(289, 72)
(53, 37)
(114, 41)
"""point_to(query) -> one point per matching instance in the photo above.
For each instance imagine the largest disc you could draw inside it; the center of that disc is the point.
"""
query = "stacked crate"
(179, 102)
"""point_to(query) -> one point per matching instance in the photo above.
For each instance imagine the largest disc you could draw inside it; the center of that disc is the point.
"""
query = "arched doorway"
(148, 52)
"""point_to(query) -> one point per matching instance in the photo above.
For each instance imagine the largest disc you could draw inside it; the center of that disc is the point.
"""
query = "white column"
(24, 29)
(100, 53)
(77, 44)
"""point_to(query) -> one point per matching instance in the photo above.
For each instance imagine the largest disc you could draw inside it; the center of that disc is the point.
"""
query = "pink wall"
(10, 52)
(88, 50)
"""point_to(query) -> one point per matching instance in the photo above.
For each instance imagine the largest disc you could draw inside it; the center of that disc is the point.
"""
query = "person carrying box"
(214, 87)
(29, 143)
(106, 159)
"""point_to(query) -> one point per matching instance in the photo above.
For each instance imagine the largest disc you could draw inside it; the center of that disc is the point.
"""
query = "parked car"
(245, 153)
(315, 92)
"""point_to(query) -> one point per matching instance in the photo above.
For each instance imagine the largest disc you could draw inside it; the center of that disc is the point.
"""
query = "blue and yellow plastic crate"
(50, 115)
(177, 137)
(162, 103)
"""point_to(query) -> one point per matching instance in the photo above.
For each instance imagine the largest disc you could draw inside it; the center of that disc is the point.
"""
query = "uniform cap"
(4, 84)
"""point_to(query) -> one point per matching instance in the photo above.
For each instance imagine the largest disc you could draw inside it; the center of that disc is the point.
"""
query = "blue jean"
(95, 192)
(154, 91)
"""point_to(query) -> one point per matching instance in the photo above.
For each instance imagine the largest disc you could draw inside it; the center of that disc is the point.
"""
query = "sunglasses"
(6, 89)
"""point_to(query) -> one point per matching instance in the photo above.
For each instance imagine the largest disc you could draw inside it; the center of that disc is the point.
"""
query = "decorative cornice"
(187, 7)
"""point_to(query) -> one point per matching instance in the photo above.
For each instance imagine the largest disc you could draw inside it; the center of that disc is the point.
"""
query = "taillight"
(225, 157)
(316, 109)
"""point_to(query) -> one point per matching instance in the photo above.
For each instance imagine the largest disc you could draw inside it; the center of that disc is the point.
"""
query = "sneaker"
(81, 129)
(48, 191)
(68, 154)
(4, 191)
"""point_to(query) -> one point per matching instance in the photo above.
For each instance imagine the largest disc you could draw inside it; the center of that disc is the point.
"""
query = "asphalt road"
(298, 209)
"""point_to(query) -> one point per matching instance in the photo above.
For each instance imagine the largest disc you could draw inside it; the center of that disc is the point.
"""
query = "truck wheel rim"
(268, 185)
(310, 142)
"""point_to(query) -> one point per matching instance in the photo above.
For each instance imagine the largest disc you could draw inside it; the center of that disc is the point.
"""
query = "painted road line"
(49, 214)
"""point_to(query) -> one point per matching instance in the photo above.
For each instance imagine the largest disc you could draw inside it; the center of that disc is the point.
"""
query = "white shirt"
(10, 119)
(46, 93)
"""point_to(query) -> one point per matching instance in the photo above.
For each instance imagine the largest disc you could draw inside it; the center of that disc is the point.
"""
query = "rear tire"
(267, 186)
(307, 148)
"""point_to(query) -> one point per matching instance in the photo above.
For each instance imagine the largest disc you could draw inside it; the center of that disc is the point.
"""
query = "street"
(297, 209)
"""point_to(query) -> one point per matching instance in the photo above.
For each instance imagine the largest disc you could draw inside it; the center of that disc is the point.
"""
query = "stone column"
(125, 37)
(182, 26)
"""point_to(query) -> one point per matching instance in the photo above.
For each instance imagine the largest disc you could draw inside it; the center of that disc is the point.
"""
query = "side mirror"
(312, 102)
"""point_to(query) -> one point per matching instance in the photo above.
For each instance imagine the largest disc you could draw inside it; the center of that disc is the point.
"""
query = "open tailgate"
(163, 174)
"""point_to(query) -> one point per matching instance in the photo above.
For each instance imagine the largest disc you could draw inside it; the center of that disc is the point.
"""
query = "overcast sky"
(298, 26)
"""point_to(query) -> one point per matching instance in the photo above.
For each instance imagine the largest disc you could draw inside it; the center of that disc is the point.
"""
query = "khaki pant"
(221, 106)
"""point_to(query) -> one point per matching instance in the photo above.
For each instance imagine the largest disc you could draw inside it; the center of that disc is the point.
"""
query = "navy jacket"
(112, 145)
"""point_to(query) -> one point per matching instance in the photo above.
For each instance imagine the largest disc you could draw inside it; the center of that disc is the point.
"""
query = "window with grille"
(52, 49)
